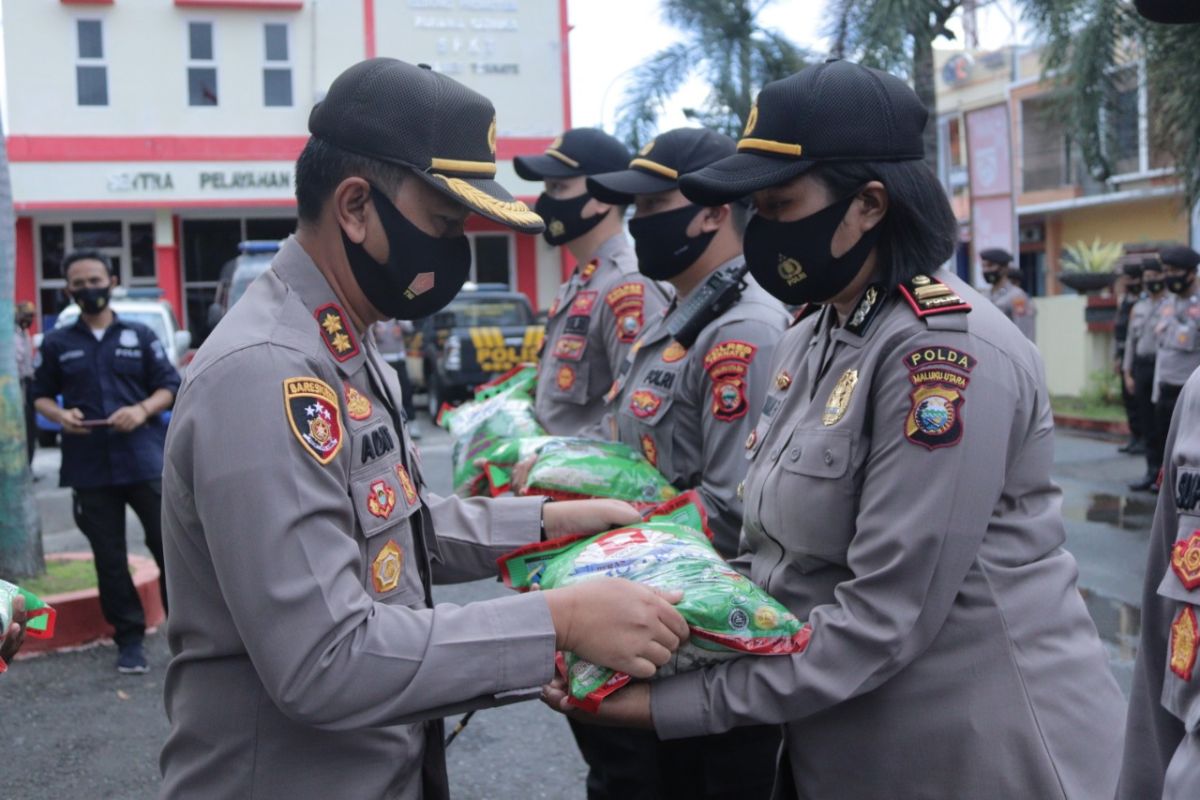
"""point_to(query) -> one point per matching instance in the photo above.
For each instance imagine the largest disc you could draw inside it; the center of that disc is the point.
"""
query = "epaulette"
(805, 311)
(928, 296)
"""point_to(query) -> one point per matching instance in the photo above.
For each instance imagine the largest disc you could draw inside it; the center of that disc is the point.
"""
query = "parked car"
(485, 331)
(254, 258)
(146, 306)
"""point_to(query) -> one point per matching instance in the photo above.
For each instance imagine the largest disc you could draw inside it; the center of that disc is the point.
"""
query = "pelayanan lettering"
(376, 443)
(945, 356)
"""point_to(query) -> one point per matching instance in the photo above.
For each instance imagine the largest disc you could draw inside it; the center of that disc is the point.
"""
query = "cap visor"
(619, 188)
(488, 199)
(535, 168)
(739, 175)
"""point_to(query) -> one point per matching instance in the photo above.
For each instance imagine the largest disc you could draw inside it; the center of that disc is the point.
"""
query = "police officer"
(1138, 364)
(899, 496)
(1178, 329)
(1130, 293)
(301, 538)
(688, 406)
(23, 345)
(601, 309)
(115, 381)
(1008, 296)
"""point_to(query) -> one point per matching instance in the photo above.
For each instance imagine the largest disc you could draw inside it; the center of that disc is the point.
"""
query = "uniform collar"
(862, 322)
(331, 324)
(82, 326)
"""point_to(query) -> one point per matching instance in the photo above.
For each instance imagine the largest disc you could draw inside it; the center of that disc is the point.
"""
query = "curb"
(79, 618)
(1106, 428)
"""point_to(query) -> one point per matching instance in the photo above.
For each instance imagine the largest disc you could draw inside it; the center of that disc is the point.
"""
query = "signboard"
(993, 213)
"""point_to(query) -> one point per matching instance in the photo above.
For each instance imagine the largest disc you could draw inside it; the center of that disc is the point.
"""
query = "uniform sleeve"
(723, 433)
(47, 376)
(277, 525)
(922, 516)
(1152, 734)
(159, 372)
(472, 534)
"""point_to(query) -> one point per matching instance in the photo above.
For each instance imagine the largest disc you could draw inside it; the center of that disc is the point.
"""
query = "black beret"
(996, 255)
(1177, 255)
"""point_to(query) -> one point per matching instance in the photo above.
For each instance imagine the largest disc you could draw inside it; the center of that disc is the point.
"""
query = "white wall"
(1071, 353)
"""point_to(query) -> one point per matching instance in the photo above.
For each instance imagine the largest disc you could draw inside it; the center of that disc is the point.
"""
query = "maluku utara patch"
(315, 418)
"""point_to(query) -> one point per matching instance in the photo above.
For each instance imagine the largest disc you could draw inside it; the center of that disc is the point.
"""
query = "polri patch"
(358, 407)
(1184, 631)
(589, 269)
(1185, 561)
(336, 332)
(315, 418)
(627, 302)
(387, 567)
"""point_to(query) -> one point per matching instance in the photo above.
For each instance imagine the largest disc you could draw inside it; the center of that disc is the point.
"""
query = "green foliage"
(724, 43)
(1103, 389)
(1094, 257)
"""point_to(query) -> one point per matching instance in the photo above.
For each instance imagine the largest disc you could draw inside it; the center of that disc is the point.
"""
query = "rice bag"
(40, 617)
(503, 411)
(572, 469)
(729, 616)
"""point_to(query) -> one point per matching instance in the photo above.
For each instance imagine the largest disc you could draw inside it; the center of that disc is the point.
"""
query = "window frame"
(89, 61)
(193, 63)
(277, 65)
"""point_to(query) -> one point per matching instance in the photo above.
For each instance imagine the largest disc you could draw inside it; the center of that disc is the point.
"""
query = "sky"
(610, 37)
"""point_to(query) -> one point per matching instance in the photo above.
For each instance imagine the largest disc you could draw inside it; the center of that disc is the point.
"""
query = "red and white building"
(164, 132)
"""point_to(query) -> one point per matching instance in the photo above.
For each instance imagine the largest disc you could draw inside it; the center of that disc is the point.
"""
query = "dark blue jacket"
(126, 366)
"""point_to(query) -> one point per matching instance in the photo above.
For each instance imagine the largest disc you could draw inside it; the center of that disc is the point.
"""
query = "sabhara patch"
(644, 404)
(312, 411)
(336, 332)
(627, 302)
(731, 350)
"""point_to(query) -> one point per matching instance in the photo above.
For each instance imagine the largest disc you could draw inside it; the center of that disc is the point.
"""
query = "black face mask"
(663, 246)
(991, 276)
(1134, 288)
(93, 299)
(563, 221)
(792, 261)
(25, 322)
(422, 274)
(1154, 287)
(1179, 284)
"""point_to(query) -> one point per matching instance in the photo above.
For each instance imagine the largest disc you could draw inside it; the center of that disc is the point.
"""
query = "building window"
(202, 68)
(1045, 147)
(91, 75)
(493, 258)
(1122, 121)
(277, 74)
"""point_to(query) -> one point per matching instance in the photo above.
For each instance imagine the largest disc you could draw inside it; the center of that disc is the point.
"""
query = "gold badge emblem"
(790, 270)
(387, 567)
(783, 380)
(491, 136)
(839, 398)
(751, 120)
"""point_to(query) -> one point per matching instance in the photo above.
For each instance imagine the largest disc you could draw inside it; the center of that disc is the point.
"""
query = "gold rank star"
(332, 324)
(342, 342)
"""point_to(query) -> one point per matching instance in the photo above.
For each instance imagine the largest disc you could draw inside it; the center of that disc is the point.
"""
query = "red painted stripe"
(26, 278)
(257, 5)
(527, 271)
(564, 31)
(166, 262)
(196, 148)
(105, 205)
(368, 28)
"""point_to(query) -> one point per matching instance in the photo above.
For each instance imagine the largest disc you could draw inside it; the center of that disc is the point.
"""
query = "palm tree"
(723, 42)
(20, 529)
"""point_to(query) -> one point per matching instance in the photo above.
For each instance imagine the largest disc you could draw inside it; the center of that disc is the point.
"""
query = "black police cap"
(836, 111)
(660, 163)
(1151, 262)
(1178, 255)
(412, 116)
(1132, 269)
(996, 255)
(1170, 11)
(579, 151)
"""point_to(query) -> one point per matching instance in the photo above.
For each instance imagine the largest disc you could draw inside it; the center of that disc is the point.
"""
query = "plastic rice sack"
(40, 617)
(571, 469)
(729, 616)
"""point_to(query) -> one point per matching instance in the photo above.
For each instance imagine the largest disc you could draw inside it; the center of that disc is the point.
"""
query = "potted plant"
(1089, 268)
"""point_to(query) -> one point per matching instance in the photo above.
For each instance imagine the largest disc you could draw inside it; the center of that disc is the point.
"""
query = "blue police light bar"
(139, 292)
(258, 246)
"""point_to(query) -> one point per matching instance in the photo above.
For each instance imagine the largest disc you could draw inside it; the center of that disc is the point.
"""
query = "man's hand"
(626, 708)
(587, 516)
(128, 418)
(12, 639)
(1129, 383)
(70, 418)
(520, 473)
(618, 624)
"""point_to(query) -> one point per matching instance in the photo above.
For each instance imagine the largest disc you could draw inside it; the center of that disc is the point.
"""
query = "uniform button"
(828, 457)
(775, 453)
(794, 455)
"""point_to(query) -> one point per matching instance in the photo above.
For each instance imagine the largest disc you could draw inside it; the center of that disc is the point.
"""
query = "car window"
(244, 275)
(488, 312)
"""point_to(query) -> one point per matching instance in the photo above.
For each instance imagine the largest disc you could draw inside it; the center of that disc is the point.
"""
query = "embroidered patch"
(731, 350)
(937, 355)
(406, 485)
(381, 499)
(565, 378)
(128, 338)
(570, 347)
(627, 302)
(727, 364)
(376, 443)
(1185, 561)
(583, 304)
(589, 269)
(674, 352)
(336, 332)
(644, 404)
(783, 380)
(387, 567)
(936, 417)
(313, 412)
(649, 449)
(729, 399)
(358, 407)
(927, 296)
(839, 398)
(1184, 632)
(1019, 307)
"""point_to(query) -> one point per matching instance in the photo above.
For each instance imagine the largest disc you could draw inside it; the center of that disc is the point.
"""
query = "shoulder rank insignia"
(588, 270)
(866, 310)
(1185, 561)
(313, 412)
(927, 296)
(358, 407)
(1184, 631)
(387, 567)
(336, 332)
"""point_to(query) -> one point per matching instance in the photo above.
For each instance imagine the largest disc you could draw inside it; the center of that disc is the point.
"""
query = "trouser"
(626, 764)
(100, 514)
(30, 417)
(1143, 391)
(1137, 422)
(1168, 395)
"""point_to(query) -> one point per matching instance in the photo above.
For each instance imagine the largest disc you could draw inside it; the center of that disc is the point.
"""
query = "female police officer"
(899, 494)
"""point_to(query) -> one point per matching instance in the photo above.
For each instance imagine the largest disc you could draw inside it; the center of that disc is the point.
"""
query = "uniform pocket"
(385, 504)
(571, 382)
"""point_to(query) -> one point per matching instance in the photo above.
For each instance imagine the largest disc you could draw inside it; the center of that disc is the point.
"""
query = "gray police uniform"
(1142, 341)
(899, 499)
(297, 530)
(1162, 740)
(596, 317)
(1014, 303)
(1178, 331)
(688, 411)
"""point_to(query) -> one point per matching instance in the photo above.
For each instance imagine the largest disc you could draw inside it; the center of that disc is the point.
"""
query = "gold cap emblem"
(645, 151)
(491, 136)
(751, 120)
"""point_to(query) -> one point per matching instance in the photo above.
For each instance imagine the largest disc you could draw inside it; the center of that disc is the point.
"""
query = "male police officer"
(1008, 297)
(1141, 348)
(115, 380)
(300, 536)
(600, 311)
